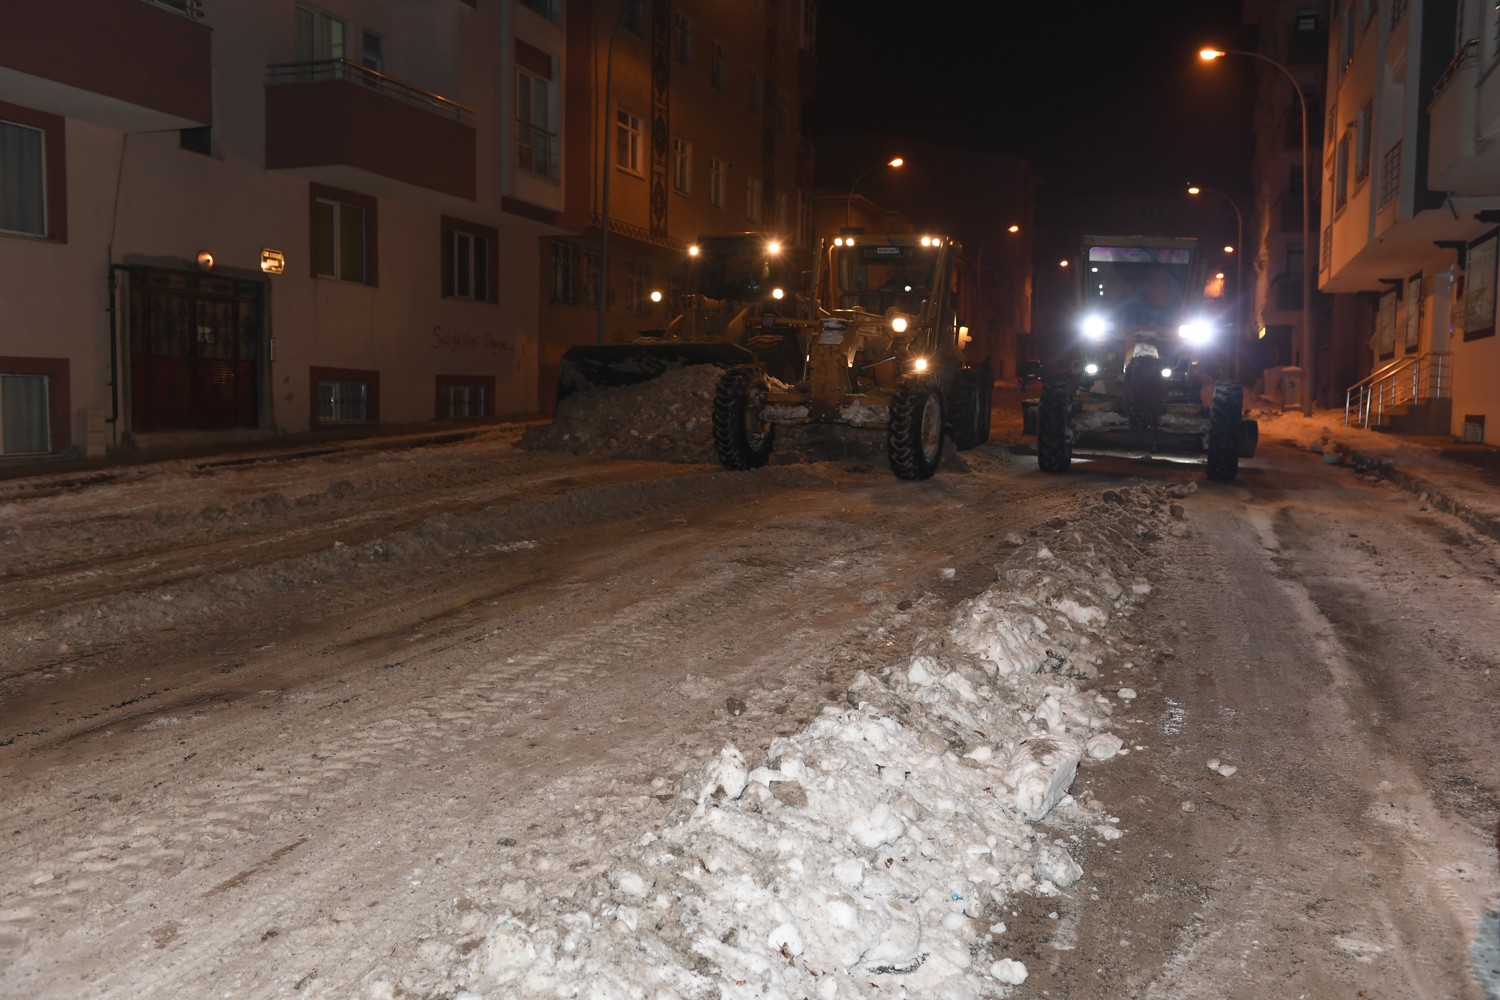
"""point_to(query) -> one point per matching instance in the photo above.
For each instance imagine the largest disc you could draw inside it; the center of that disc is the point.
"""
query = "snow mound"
(869, 855)
(669, 419)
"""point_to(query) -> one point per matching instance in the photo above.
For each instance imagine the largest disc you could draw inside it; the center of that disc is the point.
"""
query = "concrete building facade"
(229, 220)
(1410, 174)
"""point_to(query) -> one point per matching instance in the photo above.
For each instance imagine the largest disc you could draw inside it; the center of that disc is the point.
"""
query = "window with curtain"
(1479, 289)
(23, 187)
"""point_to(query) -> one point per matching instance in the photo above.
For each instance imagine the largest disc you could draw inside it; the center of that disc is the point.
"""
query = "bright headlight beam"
(1095, 326)
(899, 325)
(1195, 331)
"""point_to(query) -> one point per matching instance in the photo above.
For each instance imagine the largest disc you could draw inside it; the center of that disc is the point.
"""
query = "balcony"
(121, 64)
(1456, 163)
(353, 127)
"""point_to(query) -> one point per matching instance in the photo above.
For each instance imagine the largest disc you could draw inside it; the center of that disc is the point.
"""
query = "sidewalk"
(1462, 479)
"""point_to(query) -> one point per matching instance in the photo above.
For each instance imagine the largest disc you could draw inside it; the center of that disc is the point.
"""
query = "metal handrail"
(188, 8)
(1467, 52)
(536, 149)
(342, 69)
(1413, 379)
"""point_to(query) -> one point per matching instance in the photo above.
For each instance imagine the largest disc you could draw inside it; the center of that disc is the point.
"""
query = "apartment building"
(683, 119)
(1293, 34)
(224, 220)
(1411, 206)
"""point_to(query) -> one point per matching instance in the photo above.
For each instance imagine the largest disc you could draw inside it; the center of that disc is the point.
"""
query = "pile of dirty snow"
(669, 418)
(872, 853)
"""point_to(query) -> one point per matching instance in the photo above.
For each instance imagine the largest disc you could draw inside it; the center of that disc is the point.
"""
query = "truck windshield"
(1137, 285)
(741, 271)
(877, 277)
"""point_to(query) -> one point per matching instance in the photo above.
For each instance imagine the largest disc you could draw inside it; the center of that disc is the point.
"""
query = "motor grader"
(883, 350)
(738, 285)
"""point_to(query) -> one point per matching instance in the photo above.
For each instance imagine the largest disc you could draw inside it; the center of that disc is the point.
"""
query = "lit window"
(343, 235)
(628, 141)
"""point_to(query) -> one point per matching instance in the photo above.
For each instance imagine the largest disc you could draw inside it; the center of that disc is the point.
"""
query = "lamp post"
(849, 204)
(1308, 274)
(1239, 271)
(601, 289)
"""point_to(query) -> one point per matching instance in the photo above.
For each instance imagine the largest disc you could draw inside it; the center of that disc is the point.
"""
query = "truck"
(738, 288)
(1150, 363)
(884, 350)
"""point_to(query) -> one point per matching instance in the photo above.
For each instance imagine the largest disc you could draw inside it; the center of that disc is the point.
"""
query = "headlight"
(1196, 331)
(899, 325)
(1091, 369)
(777, 293)
(919, 365)
(1166, 373)
(1095, 326)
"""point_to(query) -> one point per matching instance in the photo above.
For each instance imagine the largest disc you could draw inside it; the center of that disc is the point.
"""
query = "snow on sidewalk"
(872, 853)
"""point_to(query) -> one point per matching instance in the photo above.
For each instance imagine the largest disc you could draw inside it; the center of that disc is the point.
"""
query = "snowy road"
(325, 727)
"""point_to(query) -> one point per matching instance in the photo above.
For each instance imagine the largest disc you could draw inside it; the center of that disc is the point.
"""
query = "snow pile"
(669, 418)
(870, 854)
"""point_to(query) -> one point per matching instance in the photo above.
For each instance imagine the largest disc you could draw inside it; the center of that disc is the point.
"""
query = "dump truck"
(1150, 365)
(884, 351)
(737, 289)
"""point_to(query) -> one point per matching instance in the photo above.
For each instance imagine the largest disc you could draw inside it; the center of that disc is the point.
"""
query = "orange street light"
(1309, 254)
(1014, 229)
(1229, 249)
(895, 162)
(1062, 263)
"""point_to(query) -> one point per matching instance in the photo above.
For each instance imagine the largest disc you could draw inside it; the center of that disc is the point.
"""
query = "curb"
(1432, 495)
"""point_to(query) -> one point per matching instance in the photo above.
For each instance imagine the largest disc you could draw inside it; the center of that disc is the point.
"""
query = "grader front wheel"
(914, 433)
(742, 440)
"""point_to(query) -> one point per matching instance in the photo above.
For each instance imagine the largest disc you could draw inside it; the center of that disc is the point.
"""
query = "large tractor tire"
(1224, 432)
(742, 439)
(1054, 439)
(914, 433)
(969, 408)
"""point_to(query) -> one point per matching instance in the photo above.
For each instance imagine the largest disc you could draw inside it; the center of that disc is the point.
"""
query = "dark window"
(197, 140)
(471, 267)
(343, 235)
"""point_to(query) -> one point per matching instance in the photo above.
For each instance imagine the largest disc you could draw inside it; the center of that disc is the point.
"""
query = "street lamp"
(1239, 271)
(1308, 255)
(601, 286)
(849, 205)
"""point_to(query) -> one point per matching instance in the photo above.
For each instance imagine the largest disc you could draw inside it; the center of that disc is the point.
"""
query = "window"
(783, 112)
(344, 396)
(1479, 289)
(1294, 262)
(804, 219)
(809, 24)
(536, 143)
(550, 9)
(682, 39)
(1341, 175)
(343, 235)
(752, 199)
(23, 179)
(1346, 39)
(24, 411)
(637, 283)
(197, 140)
(628, 141)
(1362, 144)
(471, 266)
(575, 275)
(719, 69)
(635, 20)
(718, 180)
(373, 52)
(319, 36)
(682, 166)
(461, 397)
(1307, 19)
(755, 93)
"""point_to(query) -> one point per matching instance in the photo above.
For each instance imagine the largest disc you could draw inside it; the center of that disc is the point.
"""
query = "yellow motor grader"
(883, 349)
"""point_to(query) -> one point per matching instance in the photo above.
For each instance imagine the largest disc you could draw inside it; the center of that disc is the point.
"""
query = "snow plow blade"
(600, 366)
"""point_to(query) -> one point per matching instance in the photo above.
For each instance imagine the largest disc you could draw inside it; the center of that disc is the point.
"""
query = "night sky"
(1102, 97)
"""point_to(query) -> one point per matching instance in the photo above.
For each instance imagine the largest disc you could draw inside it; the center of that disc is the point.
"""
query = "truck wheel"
(969, 411)
(742, 439)
(1224, 432)
(914, 433)
(1054, 443)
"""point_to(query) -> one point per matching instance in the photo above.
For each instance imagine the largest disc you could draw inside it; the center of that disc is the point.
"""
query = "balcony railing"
(1468, 52)
(536, 149)
(1398, 11)
(1325, 253)
(188, 8)
(343, 69)
(1403, 382)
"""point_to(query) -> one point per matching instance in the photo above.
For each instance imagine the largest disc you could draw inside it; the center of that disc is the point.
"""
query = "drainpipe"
(114, 347)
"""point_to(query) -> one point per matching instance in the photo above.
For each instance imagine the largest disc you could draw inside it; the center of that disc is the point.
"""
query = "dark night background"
(1101, 97)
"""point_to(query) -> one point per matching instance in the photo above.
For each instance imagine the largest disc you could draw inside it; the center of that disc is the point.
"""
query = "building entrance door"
(195, 350)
